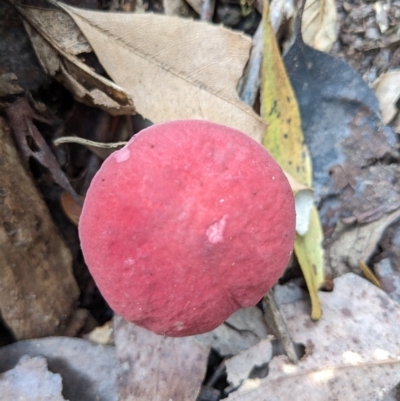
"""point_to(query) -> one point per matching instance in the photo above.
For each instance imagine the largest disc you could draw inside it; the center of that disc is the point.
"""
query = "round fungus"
(186, 224)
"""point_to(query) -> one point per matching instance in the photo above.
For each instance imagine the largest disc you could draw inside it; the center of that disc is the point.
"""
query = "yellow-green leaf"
(309, 252)
(284, 140)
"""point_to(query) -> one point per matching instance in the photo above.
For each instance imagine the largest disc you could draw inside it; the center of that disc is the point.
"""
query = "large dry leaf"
(352, 353)
(158, 368)
(178, 69)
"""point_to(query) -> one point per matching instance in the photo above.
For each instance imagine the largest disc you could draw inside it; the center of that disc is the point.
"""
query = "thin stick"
(280, 325)
(207, 10)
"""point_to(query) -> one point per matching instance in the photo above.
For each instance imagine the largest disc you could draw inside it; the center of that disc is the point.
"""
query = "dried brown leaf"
(32, 144)
(57, 40)
(58, 26)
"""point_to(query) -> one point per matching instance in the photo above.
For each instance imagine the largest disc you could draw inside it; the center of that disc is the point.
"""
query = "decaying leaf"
(32, 144)
(38, 291)
(19, 67)
(183, 69)
(352, 352)
(57, 41)
(88, 371)
(241, 366)
(241, 331)
(349, 244)
(30, 380)
(353, 182)
(319, 24)
(389, 277)
(8, 84)
(341, 126)
(71, 207)
(387, 90)
(158, 368)
(284, 139)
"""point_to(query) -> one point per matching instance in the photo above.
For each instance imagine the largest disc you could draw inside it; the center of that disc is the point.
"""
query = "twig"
(207, 10)
(280, 325)
(250, 84)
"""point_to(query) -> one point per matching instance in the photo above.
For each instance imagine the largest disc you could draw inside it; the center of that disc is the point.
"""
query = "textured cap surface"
(189, 222)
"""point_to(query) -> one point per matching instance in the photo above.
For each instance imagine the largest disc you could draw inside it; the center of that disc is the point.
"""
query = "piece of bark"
(157, 368)
(37, 287)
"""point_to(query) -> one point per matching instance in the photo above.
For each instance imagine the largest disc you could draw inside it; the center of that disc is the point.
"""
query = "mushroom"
(186, 224)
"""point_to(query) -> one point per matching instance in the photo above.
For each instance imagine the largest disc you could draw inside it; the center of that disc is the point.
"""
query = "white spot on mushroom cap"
(215, 230)
(179, 325)
(122, 155)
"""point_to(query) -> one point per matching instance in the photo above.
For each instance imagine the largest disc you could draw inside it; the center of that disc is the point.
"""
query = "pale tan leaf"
(182, 69)
(319, 24)
(102, 335)
(387, 90)
(158, 368)
(352, 352)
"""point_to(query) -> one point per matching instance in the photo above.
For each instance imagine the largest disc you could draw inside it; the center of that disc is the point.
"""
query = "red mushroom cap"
(186, 224)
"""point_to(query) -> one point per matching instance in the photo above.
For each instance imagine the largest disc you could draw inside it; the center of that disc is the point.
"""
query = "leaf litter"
(312, 367)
